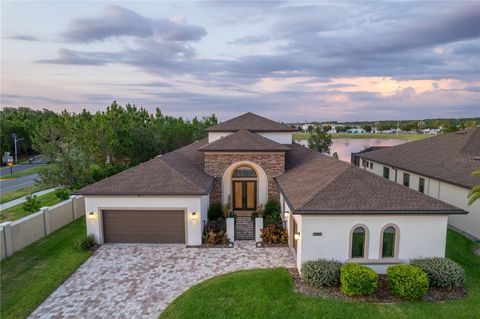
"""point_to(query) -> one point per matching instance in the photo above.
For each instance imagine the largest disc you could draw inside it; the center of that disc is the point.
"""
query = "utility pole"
(15, 139)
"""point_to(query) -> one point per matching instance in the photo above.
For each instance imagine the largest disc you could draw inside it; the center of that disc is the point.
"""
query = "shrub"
(215, 211)
(63, 193)
(32, 204)
(212, 237)
(358, 280)
(442, 272)
(407, 281)
(274, 234)
(86, 242)
(272, 210)
(321, 272)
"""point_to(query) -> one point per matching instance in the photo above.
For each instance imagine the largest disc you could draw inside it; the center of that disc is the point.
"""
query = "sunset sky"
(291, 61)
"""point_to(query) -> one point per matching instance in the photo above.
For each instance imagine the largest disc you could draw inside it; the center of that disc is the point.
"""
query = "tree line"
(85, 147)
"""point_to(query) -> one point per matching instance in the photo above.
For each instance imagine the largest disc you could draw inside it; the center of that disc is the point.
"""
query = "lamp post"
(15, 140)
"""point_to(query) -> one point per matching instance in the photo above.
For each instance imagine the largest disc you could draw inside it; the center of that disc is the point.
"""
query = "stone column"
(231, 228)
(258, 226)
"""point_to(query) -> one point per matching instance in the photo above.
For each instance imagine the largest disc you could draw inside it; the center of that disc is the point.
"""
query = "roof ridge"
(347, 167)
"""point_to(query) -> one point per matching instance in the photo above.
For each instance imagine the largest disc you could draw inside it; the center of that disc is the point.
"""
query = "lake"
(345, 146)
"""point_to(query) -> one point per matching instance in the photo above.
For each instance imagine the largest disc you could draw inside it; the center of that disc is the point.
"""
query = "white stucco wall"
(449, 193)
(419, 236)
(262, 185)
(279, 137)
(213, 136)
(189, 204)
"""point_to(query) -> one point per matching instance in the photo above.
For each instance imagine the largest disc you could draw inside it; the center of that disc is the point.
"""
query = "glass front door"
(244, 195)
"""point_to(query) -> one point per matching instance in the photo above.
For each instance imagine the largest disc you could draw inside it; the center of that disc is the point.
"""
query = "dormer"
(254, 123)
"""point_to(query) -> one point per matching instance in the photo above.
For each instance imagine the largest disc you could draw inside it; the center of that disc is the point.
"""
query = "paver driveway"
(140, 280)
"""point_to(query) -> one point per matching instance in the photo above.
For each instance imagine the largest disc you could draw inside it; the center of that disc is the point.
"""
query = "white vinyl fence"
(21, 233)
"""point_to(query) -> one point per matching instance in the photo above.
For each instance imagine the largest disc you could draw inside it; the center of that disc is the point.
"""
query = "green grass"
(17, 211)
(32, 274)
(410, 137)
(22, 192)
(25, 172)
(270, 294)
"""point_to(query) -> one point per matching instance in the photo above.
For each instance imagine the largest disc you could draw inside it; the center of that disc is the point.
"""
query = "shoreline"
(409, 137)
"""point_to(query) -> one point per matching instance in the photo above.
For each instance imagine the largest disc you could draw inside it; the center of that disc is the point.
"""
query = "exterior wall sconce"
(194, 216)
(91, 215)
(297, 236)
(286, 215)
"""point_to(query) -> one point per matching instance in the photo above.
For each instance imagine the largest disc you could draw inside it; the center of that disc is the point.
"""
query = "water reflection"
(345, 146)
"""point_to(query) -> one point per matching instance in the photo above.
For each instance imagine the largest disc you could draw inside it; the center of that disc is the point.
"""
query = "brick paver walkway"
(140, 280)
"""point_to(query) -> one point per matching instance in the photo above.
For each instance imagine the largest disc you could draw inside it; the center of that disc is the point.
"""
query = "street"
(7, 186)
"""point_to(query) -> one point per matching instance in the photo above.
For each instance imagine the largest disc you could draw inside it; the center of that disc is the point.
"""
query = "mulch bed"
(380, 296)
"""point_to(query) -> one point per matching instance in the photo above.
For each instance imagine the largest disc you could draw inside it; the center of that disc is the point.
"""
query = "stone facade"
(273, 163)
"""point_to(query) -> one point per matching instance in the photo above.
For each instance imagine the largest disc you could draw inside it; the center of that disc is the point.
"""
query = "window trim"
(397, 241)
(365, 243)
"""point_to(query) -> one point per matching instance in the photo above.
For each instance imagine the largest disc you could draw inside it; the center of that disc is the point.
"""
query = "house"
(332, 209)
(439, 166)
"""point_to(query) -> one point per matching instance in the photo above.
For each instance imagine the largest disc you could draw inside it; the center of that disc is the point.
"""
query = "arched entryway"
(261, 192)
(244, 188)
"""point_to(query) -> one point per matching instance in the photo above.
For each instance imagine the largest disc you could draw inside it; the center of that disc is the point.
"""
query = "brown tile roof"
(244, 141)
(316, 183)
(251, 122)
(177, 173)
(446, 157)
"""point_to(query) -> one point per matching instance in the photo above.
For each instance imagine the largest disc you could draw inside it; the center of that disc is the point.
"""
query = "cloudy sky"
(291, 61)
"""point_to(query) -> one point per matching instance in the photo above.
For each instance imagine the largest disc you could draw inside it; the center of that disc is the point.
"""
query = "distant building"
(356, 131)
(439, 166)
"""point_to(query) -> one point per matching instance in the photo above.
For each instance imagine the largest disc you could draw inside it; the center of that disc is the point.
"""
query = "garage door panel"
(144, 226)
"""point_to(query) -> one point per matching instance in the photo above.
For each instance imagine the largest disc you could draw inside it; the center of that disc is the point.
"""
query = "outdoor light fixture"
(286, 215)
(194, 216)
(297, 236)
(91, 215)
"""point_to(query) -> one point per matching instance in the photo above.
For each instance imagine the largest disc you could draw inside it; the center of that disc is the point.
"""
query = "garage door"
(144, 226)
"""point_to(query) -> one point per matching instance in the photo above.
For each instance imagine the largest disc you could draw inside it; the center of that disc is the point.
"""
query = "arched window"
(244, 171)
(389, 242)
(359, 238)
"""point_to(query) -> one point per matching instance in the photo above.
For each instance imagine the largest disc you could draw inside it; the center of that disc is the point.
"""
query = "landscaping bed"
(381, 295)
(262, 244)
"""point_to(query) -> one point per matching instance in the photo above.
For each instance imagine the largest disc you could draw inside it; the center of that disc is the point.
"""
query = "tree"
(319, 140)
(470, 124)
(474, 193)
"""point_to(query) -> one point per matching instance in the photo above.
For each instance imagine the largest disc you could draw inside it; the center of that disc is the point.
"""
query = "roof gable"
(244, 141)
(251, 122)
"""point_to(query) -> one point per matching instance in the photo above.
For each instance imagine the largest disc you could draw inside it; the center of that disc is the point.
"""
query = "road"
(7, 186)
(20, 167)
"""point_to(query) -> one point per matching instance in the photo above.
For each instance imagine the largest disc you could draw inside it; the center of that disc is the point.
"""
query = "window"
(386, 172)
(371, 165)
(406, 179)
(421, 185)
(388, 242)
(358, 242)
(244, 171)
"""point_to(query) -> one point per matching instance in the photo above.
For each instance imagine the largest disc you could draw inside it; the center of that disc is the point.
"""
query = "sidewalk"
(23, 198)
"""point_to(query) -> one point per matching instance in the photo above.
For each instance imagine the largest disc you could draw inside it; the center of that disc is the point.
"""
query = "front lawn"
(32, 274)
(17, 211)
(269, 293)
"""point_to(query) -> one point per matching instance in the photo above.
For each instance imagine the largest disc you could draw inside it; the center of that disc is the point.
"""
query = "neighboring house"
(439, 166)
(332, 209)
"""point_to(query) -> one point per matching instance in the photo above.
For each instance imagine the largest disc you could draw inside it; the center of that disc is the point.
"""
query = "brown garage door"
(144, 226)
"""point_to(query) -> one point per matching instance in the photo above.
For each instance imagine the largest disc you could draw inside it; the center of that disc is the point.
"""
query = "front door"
(244, 195)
